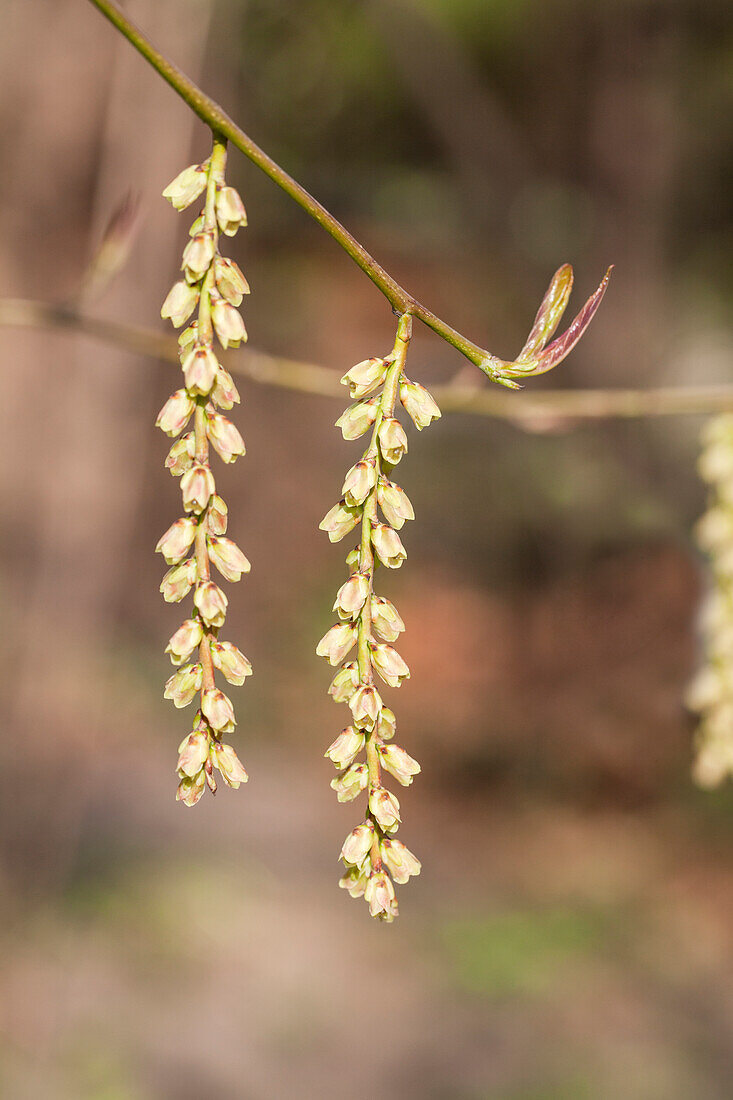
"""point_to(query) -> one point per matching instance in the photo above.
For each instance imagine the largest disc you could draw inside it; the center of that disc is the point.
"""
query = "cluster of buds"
(711, 692)
(213, 286)
(373, 858)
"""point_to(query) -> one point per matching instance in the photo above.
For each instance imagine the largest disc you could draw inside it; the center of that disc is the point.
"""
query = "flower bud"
(364, 378)
(224, 437)
(229, 764)
(187, 186)
(190, 790)
(352, 559)
(365, 705)
(399, 860)
(418, 404)
(354, 881)
(228, 324)
(351, 596)
(197, 485)
(398, 763)
(358, 843)
(211, 602)
(180, 456)
(186, 338)
(339, 520)
(716, 463)
(388, 663)
(385, 808)
(230, 282)
(183, 685)
(216, 517)
(351, 783)
(386, 620)
(337, 642)
(177, 582)
(185, 640)
(387, 724)
(358, 418)
(197, 256)
(394, 502)
(194, 754)
(176, 413)
(359, 482)
(344, 683)
(346, 747)
(707, 689)
(218, 710)
(388, 546)
(175, 542)
(180, 303)
(199, 370)
(224, 394)
(230, 212)
(233, 664)
(379, 895)
(227, 557)
(392, 440)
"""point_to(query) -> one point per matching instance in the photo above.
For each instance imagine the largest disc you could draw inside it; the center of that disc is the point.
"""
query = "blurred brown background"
(571, 936)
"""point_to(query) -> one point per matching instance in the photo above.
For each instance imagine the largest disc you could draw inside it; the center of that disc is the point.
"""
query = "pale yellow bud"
(178, 581)
(387, 724)
(346, 747)
(350, 785)
(398, 859)
(359, 482)
(228, 324)
(385, 808)
(230, 212)
(386, 620)
(197, 485)
(227, 557)
(199, 369)
(224, 437)
(337, 642)
(344, 683)
(211, 603)
(190, 790)
(389, 664)
(392, 440)
(380, 896)
(714, 531)
(233, 664)
(194, 754)
(388, 546)
(352, 596)
(226, 760)
(176, 413)
(365, 705)
(180, 303)
(339, 520)
(358, 844)
(197, 256)
(187, 186)
(716, 463)
(398, 763)
(365, 377)
(183, 685)
(418, 404)
(358, 418)
(180, 456)
(184, 641)
(354, 881)
(230, 282)
(394, 502)
(175, 542)
(218, 710)
(216, 517)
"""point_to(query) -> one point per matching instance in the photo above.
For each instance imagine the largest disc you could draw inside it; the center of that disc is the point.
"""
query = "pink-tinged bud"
(228, 324)
(418, 404)
(352, 596)
(394, 502)
(358, 418)
(344, 683)
(175, 542)
(398, 763)
(187, 186)
(180, 456)
(176, 413)
(185, 640)
(387, 724)
(385, 809)
(229, 764)
(392, 440)
(379, 895)
(211, 603)
(388, 663)
(230, 212)
(197, 485)
(399, 860)
(197, 256)
(224, 437)
(388, 546)
(199, 370)
(190, 790)
(194, 754)
(178, 581)
(359, 482)
(230, 662)
(337, 642)
(183, 685)
(339, 520)
(218, 710)
(216, 517)
(354, 881)
(225, 394)
(350, 785)
(365, 704)
(364, 378)
(346, 747)
(358, 843)
(228, 558)
(230, 282)
(386, 620)
(181, 302)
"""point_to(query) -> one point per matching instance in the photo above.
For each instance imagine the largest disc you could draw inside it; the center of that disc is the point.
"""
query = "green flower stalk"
(711, 692)
(213, 286)
(374, 859)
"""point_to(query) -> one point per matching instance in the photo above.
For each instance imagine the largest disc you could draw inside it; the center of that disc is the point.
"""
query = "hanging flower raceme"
(711, 692)
(212, 286)
(373, 858)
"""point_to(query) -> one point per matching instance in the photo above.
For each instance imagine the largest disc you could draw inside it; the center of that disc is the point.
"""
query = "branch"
(548, 410)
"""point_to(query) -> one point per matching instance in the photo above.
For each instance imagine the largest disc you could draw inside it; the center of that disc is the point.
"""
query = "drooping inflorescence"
(373, 857)
(214, 286)
(711, 692)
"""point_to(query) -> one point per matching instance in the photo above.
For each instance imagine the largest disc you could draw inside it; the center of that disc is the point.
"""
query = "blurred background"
(570, 937)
